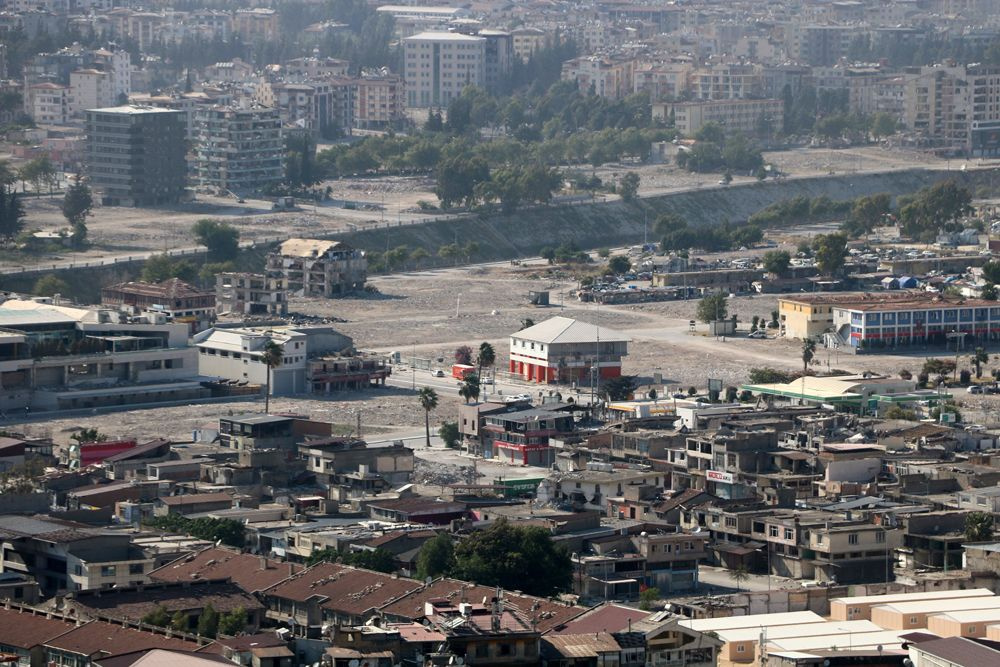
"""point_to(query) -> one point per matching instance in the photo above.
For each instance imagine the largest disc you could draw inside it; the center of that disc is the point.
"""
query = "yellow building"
(806, 316)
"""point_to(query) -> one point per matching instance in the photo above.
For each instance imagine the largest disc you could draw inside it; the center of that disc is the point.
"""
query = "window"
(135, 568)
(772, 531)
(913, 620)
(740, 648)
(880, 536)
(789, 534)
(505, 649)
(852, 538)
(107, 570)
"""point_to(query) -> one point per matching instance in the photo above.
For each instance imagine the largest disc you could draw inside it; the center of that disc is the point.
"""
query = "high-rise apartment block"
(956, 108)
(438, 65)
(135, 155)
(239, 150)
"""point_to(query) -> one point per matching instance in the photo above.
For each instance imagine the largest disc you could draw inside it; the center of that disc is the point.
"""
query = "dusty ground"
(121, 231)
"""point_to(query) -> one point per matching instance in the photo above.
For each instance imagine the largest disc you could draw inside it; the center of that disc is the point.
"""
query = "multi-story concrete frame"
(439, 65)
(135, 155)
(250, 294)
(239, 150)
(956, 107)
(318, 268)
(733, 115)
(379, 101)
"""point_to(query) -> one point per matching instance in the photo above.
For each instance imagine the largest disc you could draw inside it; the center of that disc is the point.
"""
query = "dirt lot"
(119, 231)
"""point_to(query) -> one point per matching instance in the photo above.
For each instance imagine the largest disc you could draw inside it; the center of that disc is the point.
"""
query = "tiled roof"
(132, 604)
(960, 652)
(346, 589)
(547, 614)
(215, 563)
(24, 629)
(111, 639)
(603, 618)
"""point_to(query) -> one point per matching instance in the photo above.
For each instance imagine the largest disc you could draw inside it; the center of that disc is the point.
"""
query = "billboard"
(716, 476)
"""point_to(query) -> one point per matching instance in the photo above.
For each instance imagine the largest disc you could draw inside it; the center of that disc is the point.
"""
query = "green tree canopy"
(713, 307)
(164, 267)
(436, 557)
(777, 262)
(221, 239)
(514, 557)
(77, 205)
(830, 252)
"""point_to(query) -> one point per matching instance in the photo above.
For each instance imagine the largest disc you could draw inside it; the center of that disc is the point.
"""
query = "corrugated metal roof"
(567, 330)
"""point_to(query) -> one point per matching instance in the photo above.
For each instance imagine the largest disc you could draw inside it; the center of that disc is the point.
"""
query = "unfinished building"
(318, 268)
(250, 294)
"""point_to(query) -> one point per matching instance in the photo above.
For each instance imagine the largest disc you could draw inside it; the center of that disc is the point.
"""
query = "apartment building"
(379, 101)
(135, 155)
(437, 66)
(321, 108)
(561, 349)
(663, 81)
(526, 41)
(92, 89)
(250, 294)
(956, 108)
(727, 81)
(49, 103)
(239, 149)
(818, 45)
(66, 556)
(733, 115)
(498, 58)
(318, 268)
(522, 437)
(312, 67)
(331, 458)
(258, 23)
(54, 357)
(605, 76)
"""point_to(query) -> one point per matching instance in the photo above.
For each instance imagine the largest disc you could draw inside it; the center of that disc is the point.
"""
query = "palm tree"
(978, 526)
(808, 352)
(486, 358)
(739, 577)
(272, 356)
(978, 358)
(470, 387)
(428, 401)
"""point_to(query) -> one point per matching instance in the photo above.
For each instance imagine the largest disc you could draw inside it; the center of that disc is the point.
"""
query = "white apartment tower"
(438, 65)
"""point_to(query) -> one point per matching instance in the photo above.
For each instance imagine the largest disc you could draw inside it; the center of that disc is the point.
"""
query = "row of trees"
(227, 531)
(675, 235)
(717, 151)
(799, 209)
(210, 622)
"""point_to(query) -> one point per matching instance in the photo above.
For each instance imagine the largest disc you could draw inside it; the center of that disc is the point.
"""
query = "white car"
(757, 334)
(438, 373)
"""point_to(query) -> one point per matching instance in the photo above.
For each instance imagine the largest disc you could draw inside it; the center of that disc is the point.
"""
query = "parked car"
(975, 389)
(438, 373)
(757, 334)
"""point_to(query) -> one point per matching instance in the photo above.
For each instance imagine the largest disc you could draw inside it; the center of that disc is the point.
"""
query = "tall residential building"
(438, 65)
(499, 58)
(818, 44)
(734, 115)
(135, 155)
(91, 89)
(956, 108)
(239, 149)
(605, 76)
(378, 101)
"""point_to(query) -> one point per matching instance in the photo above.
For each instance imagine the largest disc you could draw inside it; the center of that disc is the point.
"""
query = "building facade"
(565, 350)
(239, 150)
(135, 155)
(437, 66)
(318, 268)
(732, 115)
(250, 294)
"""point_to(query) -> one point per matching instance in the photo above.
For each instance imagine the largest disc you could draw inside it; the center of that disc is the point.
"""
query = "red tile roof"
(603, 618)
(215, 563)
(112, 639)
(346, 590)
(24, 629)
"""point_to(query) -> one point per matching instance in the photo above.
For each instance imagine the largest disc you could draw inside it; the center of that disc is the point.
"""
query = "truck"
(459, 371)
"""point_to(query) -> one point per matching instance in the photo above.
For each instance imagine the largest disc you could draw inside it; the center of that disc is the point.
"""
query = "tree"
(628, 186)
(233, 622)
(514, 557)
(271, 356)
(739, 576)
(180, 622)
(867, 212)
(221, 239)
(991, 272)
(39, 171)
(89, 434)
(208, 622)
(77, 205)
(978, 526)
(548, 254)
(618, 388)
(808, 352)
(777, 262)
(712, 308)
(526, 323)
(648, 598)
(883, 125)
(11, 215)
(619, 265)
(470, 387)
(978, 358)
(436, 557)
(934, 209)
(486, 358)
(463, 355)
(158, 617)
(449, 434)
(50, 285)
(457, 179)
(768, 376)
(988, 292)
(830, 251)
(428, 400)
(164, 267)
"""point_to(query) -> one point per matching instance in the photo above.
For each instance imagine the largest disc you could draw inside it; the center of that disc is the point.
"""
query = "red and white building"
(561, 349)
